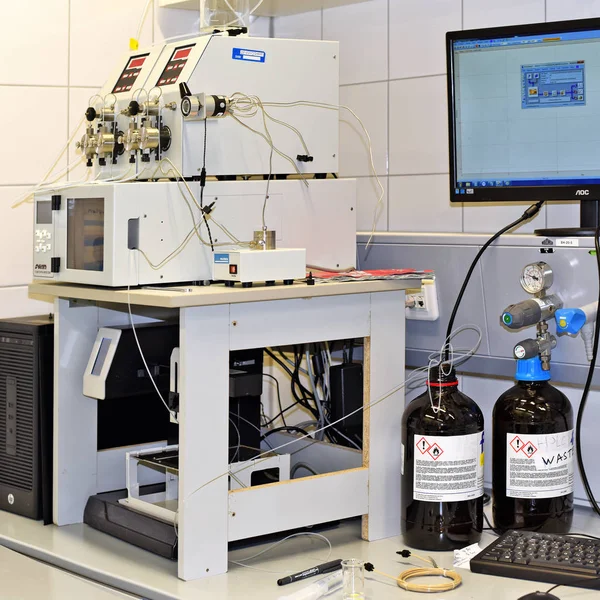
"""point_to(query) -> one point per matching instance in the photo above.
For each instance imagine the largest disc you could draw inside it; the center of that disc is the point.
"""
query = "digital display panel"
(43, 212)
(130, 73)
(173, 68)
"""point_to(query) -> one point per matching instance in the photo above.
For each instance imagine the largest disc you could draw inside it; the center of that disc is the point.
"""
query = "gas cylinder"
(442, 466)
(533, 454)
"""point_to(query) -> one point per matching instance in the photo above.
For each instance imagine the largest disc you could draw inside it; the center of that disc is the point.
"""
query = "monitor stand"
(589, 219)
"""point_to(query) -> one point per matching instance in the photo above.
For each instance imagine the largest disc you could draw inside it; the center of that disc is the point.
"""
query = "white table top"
(216, 293)
(98, 556)
(23, 578)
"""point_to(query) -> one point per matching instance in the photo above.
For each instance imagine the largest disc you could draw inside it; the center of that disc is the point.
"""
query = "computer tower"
(26, 376)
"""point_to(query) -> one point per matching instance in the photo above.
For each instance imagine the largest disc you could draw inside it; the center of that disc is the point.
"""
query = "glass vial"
(224, 14)
(353, 579)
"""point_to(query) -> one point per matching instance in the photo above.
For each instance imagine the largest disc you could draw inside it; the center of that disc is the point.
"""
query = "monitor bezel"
(517, 193)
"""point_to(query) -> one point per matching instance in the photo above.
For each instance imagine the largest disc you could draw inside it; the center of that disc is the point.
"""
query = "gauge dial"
(536, 277)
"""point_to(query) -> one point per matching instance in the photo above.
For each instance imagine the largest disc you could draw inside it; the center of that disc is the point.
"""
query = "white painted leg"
(75, 415)
(203, 441)
(386, 372)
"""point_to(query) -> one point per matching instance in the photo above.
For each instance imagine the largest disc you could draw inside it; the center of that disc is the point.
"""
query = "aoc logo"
(582, 193)
(39, 267)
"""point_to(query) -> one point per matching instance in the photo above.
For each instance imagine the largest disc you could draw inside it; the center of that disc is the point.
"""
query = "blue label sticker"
(250, 55)
(221, 259)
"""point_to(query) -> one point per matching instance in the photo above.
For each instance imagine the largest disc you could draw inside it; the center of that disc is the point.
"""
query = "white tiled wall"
(398, 46)
(55, 55)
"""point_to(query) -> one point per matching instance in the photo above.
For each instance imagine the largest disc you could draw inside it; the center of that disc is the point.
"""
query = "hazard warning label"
(448, 468)
(540, 466)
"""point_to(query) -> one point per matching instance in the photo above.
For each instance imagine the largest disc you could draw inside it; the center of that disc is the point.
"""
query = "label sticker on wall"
(249, 55)
(540, 466)
(567, 243)
(448, 468)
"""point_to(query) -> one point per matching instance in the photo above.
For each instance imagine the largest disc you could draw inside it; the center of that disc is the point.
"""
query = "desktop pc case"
(26, 365)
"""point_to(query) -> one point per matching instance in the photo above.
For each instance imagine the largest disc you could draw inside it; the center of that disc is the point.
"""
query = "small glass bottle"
(442, 471)
(224, 14)
(353, 579)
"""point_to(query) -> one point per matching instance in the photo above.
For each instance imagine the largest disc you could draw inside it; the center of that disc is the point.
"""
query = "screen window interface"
(527, 110)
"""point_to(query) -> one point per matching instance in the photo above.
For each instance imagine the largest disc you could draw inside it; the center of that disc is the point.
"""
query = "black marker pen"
(328, 567)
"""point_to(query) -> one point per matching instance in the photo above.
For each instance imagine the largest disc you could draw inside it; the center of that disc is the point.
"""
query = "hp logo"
(582, 193)
(11, 499)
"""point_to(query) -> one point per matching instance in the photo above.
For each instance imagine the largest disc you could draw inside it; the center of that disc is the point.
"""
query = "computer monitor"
(524, 115)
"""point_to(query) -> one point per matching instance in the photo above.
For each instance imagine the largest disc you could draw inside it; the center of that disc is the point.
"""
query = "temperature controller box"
(249, 266)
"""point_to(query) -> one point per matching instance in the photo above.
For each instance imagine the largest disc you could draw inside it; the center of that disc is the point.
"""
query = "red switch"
(233, 269)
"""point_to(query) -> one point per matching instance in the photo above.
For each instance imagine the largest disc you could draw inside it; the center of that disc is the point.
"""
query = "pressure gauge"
(536, 278)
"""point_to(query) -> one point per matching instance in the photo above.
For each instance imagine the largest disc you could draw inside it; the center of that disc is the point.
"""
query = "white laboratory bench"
(109, 561)
(23, 578)
(213, 321)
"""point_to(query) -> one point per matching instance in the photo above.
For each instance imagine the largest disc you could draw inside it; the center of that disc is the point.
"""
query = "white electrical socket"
(422, 304)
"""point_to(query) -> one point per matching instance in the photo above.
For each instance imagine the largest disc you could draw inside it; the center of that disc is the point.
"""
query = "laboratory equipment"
(534, 73)
(559, 559)
(86, 234)
(251, 266)
(533, 454)
(442, 510)
(353, 579)
(190, 147)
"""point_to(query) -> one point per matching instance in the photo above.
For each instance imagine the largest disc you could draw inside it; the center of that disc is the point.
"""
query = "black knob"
(89, 163)
(102, 162)
(184, 90)
(132, 159)
(90, 113)
(133, 108)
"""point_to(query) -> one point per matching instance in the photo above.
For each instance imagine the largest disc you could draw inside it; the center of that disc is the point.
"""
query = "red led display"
(175, 65)
(130, 74)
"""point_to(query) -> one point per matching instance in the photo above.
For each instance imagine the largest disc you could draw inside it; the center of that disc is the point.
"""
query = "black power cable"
(586, 391)
(202, 185)
(288, 428)
(528, 214)
(281, 411)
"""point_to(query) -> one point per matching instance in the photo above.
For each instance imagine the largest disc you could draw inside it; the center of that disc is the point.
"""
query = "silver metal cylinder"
(265, 240)
(149, 138)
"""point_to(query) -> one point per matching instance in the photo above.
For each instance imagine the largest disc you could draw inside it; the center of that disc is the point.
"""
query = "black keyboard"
(546, 557)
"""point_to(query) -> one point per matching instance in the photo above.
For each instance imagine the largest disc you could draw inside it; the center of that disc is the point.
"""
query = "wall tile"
(100, 36)
(417, 36)
(34, 39)
(491, 13)
(368, 193)
(34, 143)
(172, 22)
(260, 27)
(559, 10)
(14, 302)
(421, 203)
(418, 126)
(304, 26)
(15, 248)
(490, 217)
(361, 30)
(563, 214)
(370, 103)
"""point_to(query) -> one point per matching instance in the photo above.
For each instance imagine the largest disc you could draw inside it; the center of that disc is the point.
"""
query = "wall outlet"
(422, 304)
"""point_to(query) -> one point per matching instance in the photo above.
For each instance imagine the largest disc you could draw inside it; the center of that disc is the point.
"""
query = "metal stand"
(589, 219)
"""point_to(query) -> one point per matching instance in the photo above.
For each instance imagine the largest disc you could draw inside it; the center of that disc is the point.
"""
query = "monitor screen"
(524, 106)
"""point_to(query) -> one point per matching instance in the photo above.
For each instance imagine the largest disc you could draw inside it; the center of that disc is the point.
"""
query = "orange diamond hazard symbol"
(423, 445)
(529, 449)
(435, 451)
(517, 444)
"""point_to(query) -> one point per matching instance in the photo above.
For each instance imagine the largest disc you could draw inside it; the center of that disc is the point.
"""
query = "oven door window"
(85, 234)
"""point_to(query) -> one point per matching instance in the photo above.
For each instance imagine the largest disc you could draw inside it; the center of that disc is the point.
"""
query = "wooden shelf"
(271, 8)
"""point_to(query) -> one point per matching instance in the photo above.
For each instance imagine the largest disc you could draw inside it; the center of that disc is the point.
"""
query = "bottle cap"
(442, 375)
(530, 369)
